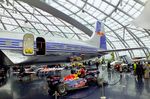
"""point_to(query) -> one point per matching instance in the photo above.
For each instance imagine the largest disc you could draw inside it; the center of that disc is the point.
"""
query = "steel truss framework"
(19, 16)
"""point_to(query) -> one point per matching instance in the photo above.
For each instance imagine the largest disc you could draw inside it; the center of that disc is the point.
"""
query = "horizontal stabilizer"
(117, 50)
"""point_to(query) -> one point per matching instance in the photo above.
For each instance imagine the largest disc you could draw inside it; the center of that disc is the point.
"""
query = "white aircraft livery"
(23, 50)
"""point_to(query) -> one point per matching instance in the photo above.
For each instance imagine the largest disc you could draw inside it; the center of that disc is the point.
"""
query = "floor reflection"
(126, 88)
(147, 85)
(3, 81)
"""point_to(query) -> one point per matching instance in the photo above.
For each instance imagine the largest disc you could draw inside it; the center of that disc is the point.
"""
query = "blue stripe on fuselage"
(50, 46)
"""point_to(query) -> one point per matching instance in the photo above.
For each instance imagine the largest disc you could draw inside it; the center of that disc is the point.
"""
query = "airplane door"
(28, 44)
(41, 46)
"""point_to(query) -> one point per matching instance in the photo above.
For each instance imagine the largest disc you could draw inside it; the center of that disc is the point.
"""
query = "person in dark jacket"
(139, 71)
(89, 62)
(21, 72)
(97, 64)
(108, 66)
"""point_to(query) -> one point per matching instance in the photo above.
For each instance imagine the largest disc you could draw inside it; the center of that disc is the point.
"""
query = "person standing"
(108, 66)
(120, 70)
(97, 64)
(146, 70)
(21, 73)
(139, 71)
(89, 62)
(134, 68)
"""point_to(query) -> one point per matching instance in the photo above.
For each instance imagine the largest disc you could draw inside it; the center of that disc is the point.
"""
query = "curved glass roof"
(18, 16)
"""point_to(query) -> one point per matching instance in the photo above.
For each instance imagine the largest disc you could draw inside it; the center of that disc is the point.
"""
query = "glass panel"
(86, 14)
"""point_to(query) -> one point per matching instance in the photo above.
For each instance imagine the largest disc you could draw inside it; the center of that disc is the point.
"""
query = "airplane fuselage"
(57, 49)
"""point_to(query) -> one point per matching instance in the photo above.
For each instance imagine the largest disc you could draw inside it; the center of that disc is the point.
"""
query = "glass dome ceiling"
(18, 16)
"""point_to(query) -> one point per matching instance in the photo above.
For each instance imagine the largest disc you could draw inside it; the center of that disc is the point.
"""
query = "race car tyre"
(51, 92)
(90, 79)
(125, 69)
(61, 89)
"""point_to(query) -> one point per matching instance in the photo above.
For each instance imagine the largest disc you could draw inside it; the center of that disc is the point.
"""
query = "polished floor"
(125, 87)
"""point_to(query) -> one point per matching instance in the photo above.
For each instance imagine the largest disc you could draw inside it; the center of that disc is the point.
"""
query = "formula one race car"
(72, 81)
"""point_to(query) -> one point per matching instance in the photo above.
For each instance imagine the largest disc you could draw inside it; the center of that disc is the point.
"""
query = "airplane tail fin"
(98, 39)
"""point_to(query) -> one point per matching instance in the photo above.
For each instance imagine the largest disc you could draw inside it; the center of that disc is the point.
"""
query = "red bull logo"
(70, 77)
(100, 33)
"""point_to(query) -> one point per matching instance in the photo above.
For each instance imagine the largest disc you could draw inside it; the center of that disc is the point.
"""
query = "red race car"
(77, 80)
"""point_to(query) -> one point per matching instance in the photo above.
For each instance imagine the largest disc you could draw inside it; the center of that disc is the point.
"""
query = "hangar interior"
(75, 20)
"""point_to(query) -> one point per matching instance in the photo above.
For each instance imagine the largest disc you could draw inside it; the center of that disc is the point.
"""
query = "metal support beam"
(116, 8)
(24, 17)
(3, 24)
(50, 22)
(70, 29)
(140, 2)
(122, 41)
(33, 16)
(56, 13)
(110, 43)
(12, 17)
(122, 26)
(138, 41)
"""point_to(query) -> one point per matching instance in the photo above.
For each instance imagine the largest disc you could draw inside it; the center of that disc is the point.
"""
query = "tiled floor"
(126, 88)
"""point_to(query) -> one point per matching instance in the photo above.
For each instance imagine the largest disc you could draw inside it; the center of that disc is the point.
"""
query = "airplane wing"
(117, 50)
(25, 72)
(10, 48)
